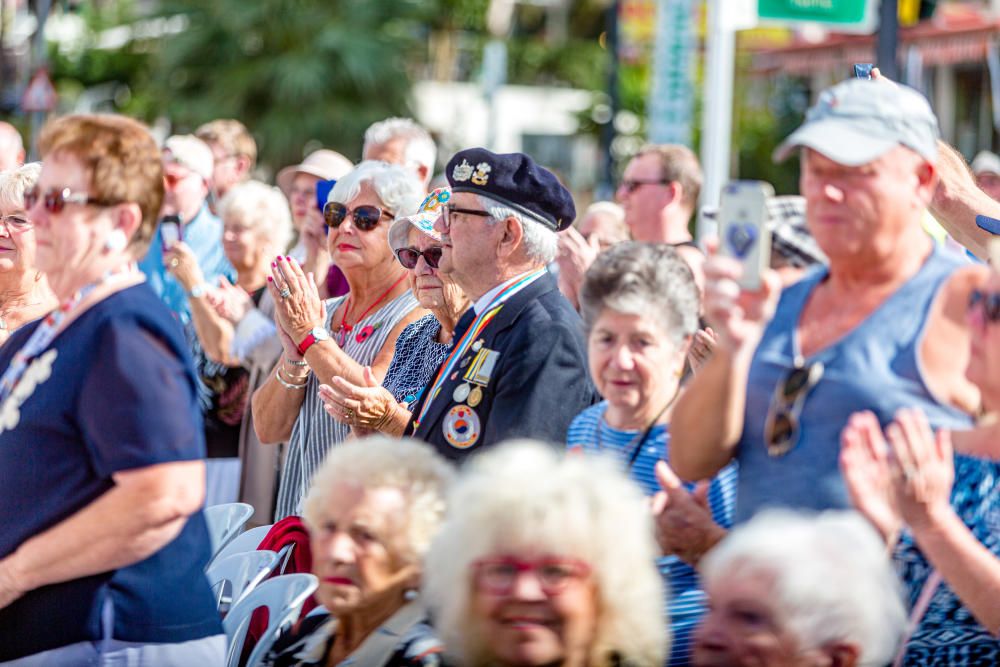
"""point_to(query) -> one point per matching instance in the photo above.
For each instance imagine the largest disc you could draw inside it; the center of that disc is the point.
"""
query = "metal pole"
(39, 59)
(717, 123)
(606, 183)
(888, 39)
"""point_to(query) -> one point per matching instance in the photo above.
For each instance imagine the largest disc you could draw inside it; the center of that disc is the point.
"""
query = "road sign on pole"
(840, 15)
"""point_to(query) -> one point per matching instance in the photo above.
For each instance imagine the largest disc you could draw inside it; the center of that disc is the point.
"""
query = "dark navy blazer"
(541, 380)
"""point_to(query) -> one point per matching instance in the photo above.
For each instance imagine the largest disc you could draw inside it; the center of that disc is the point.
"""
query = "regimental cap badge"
(482, 175)
(461, 172)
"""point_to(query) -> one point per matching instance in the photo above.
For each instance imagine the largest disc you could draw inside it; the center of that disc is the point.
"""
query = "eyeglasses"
(782, 429)
(16, 223)
(55, 199)
(988, 301)
(448, 210)
(365, 217)
(631, 185)
(408, 257)
(498, 576)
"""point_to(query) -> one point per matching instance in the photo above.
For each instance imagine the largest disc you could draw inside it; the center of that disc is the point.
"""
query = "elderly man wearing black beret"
(518, 367)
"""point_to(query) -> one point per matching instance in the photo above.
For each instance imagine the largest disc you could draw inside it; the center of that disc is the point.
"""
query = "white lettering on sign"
(813, 4)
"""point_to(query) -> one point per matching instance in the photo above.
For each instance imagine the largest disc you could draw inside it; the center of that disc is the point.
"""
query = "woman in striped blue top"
(640, 304)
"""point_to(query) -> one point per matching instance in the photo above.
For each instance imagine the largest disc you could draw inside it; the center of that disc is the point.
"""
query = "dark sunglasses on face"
(365, 218)
(988, 301)
(631, 185)
(409, 257)
(55, 199)
(781, 431)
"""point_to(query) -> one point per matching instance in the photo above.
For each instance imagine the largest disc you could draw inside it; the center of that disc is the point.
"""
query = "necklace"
(345, 329)
(635, 445)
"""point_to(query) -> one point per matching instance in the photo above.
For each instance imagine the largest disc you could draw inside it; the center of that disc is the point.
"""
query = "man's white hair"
(833, 579)
(262, 207)
(421, 151)
(540, 242)
(379, 462)
(524, 496)
(15, 182)
(396, 187)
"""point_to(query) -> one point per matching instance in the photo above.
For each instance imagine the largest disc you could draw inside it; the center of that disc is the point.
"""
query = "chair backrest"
(234, 576)
(226, 522)
(248, 540)
(283, 596)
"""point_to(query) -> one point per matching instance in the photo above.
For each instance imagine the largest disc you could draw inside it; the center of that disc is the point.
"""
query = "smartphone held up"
(743, 231)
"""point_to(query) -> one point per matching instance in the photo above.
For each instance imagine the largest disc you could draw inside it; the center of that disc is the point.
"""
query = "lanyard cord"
(635, 446)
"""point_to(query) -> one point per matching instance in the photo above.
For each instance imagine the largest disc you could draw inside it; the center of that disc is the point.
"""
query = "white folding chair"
(234, 576)
(283, 596)
(225, 522)
(248, 540)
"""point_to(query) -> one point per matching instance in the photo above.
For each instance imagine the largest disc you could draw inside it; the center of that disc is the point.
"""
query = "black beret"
(513, 179)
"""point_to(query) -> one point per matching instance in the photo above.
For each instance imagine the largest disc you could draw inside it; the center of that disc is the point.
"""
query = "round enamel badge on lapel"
(461, 427)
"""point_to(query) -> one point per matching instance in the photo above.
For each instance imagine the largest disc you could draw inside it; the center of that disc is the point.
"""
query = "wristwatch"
(315, 336)
(198, 291)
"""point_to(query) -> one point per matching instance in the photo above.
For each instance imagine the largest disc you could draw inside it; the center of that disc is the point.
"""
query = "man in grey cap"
(881, 328)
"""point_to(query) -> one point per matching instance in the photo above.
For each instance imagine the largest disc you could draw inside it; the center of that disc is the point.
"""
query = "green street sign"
(840, 13)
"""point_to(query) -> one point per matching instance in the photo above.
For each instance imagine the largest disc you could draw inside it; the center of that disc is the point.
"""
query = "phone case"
(743, 231)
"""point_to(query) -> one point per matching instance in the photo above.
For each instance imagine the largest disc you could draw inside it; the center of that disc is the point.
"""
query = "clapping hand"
(183, 265)
(576, 254)
(364, 408)
(231, 302)
(684, 524)
(905, 475)
(298, 308)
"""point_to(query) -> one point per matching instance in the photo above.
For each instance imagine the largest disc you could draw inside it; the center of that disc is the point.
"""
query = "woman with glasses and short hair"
(340, 337)
(422, 346)
(546, 559)
(104, 546)
(24, 292)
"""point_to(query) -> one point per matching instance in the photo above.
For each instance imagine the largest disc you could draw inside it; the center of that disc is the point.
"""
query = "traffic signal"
(912, 12)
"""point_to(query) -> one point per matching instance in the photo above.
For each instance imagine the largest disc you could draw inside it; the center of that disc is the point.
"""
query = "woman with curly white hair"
(24, 292)
(800, 590)
(546, 560)
(371, 511)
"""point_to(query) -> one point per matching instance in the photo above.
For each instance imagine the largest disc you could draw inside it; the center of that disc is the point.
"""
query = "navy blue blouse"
(115, 391)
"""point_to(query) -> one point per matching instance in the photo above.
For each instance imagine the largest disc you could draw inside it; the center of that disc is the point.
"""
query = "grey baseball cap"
(860, 120)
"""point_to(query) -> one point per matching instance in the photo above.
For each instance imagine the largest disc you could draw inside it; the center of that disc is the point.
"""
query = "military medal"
(462, 427)
(462, 392)
(475, 396)
(478, 345)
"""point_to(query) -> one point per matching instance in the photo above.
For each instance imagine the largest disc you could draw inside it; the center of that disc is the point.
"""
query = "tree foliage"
(298, 73)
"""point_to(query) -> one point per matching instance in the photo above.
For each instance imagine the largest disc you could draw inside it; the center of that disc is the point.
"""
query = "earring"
(116, 241)
(410, 594)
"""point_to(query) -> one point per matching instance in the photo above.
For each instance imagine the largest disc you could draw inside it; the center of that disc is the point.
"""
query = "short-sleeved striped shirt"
(685, 599)
(315, 432)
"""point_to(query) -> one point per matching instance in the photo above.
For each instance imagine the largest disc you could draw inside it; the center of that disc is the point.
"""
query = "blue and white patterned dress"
(416, 359)
(948, 633)
(685, 599)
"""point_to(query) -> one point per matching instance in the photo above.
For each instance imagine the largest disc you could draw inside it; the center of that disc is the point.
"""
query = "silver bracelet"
(296, 363)
(289, 385)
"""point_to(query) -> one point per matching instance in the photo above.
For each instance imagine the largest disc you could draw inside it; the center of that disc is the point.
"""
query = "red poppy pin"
(367, 331)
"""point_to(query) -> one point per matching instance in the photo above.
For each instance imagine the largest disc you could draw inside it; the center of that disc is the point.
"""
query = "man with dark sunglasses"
(518, 366)
(880, 329)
